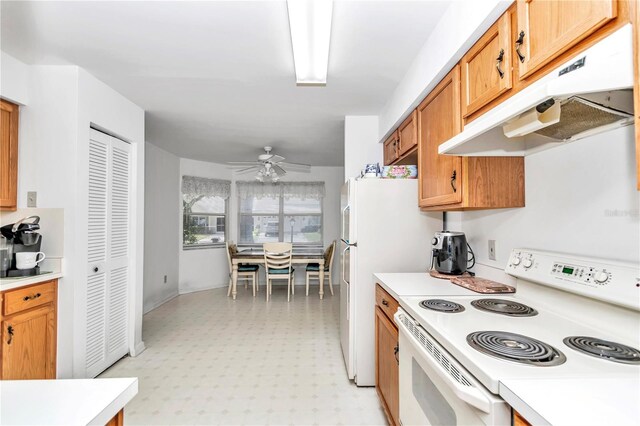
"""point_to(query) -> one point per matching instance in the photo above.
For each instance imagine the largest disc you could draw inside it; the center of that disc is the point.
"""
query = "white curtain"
(193, 186)
(303, 190)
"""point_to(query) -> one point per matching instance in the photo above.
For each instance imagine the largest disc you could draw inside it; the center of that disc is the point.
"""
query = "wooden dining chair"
(313, 269)
(245, 272)
(277, 264)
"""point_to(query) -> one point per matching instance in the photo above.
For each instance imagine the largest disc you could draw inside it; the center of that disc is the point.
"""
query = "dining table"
(256, 257)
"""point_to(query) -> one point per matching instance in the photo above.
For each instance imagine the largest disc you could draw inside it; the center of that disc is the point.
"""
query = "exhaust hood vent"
(580, 118)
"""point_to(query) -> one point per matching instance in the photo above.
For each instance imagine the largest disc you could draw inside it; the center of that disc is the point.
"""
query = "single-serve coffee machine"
(21, 237)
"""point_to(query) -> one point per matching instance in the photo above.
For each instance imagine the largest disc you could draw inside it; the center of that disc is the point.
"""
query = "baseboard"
(195, 290)
(140, 347)
(160, 303)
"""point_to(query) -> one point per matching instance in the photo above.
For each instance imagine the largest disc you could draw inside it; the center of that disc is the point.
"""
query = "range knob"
(527, 263)
(515, 260)
(434, 241)
(601, 276)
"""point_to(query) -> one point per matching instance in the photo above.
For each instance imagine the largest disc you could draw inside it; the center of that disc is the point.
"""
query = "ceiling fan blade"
(243, 163)
(247, 170)
(296, 167)
(279, 170)
(276, 158)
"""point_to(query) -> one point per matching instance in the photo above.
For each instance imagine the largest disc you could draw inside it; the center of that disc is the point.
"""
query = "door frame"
(136, 246)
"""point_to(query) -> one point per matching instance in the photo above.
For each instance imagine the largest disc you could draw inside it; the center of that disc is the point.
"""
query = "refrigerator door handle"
(344, 252)
(344, 280)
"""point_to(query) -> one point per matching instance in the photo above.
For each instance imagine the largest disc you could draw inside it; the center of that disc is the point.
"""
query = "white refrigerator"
(383, 230)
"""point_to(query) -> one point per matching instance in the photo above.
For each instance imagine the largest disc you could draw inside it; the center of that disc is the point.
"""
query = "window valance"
(193, 186)
(302, 190)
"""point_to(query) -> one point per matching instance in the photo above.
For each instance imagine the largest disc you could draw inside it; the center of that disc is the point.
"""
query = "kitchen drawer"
(29, 297)
(388, 304)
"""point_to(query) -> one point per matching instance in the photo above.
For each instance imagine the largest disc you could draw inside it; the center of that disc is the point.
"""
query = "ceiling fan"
(269, 166)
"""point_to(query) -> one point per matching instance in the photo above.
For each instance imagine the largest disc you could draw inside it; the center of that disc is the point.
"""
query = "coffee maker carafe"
(21, 237)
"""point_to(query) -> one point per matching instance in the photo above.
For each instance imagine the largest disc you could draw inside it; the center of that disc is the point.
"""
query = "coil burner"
(504, 307)
(610, 351)
(441, 305)
(516, 348)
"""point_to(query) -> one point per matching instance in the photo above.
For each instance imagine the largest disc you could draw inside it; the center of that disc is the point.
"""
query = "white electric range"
(450, 372)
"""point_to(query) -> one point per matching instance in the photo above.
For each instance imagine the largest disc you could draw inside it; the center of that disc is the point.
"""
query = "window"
(287, 211)
(204, 203)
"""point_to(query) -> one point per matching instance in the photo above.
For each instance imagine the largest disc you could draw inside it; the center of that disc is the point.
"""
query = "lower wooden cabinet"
(387, 374)
(29, 332)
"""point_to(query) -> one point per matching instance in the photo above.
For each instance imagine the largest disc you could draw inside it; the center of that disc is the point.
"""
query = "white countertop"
(401, 285)
(578, 401)
(15, 282)
(64, 402)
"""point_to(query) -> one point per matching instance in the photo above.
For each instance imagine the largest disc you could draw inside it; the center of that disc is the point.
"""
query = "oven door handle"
(469, 394)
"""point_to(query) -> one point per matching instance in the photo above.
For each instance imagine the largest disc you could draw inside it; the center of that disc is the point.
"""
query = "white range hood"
(589, 94)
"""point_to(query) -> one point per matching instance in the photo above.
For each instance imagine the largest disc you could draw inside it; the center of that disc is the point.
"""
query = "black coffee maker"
(451, 254)
(23, 237)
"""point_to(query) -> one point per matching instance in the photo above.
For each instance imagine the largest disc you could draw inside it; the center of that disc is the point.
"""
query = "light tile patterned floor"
(210, 360)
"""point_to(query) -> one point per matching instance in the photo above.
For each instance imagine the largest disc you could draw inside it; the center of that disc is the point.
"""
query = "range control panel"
(614, 282)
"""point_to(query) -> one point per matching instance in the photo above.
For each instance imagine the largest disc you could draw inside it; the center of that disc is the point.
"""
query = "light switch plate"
(32, 199)
(492, 249)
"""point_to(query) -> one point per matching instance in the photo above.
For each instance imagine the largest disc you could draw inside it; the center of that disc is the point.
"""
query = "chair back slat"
(277, 255)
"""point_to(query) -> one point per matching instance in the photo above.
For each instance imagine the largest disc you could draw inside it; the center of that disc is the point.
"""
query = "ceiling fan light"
(310, 26)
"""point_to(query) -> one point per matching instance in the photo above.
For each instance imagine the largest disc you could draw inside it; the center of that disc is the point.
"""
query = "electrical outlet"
(492, 249)
(165, 279)
(32, 199)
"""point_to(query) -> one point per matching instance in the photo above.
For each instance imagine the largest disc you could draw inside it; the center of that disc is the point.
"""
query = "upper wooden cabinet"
(390, 148)
(439, 119)
(408, 134)
(458, 183)
(548, 28)
(8, 155)
(486, 68)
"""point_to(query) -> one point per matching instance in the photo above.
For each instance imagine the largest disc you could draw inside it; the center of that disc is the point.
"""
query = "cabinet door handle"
(454, 175)
(395, 353)
(385, 303)
(519, 42)
(499, 60)
(32, 297)
(10, 332)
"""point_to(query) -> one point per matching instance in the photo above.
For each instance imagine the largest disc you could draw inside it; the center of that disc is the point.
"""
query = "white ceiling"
(216, 78)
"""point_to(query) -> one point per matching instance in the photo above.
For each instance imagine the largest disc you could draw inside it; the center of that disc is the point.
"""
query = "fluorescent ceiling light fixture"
(310, 25)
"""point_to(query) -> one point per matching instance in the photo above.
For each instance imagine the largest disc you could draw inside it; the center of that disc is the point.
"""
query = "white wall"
(202, 269)
(580, 199)
(104, 108)
(161, 226)
(462, 24)
(62, 102)
(14, 75)
(46, 150)
(360, 144)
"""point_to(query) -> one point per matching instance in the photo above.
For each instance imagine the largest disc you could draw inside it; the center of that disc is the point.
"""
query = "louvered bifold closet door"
(108, 251)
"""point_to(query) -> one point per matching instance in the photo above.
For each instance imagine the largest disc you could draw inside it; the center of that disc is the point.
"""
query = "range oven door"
(435, 389)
